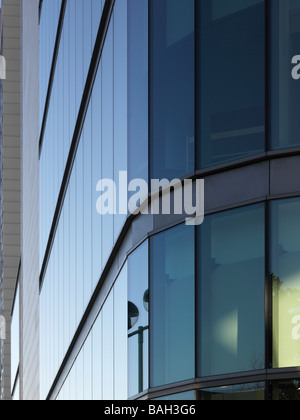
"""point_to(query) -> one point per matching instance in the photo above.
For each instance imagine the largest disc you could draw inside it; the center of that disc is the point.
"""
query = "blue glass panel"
(284, 101)
(231, 80)
(231, 292)
(285, 269)
(172, 306)
(172, 88)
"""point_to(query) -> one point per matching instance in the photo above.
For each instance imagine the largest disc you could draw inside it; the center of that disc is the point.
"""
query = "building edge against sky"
(10, 175)
(20, 150)
(145, 307)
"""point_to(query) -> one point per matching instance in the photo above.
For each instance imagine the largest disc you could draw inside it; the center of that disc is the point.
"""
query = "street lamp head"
(133, 315)
(146, 300)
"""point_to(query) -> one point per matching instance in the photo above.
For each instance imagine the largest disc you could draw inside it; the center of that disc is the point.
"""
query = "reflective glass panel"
(231, 292)
(107, 151)
(285, 268)
(108, 349)
(138, 320)
(88, 369)
(172, 88)
(231, 71)
(97, 359)
(138, 89)
(120, 102)
(285, 105)
(172, 288)
(120, 337)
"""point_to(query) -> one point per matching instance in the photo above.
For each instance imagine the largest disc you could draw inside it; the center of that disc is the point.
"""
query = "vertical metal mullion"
(149, 177)
(149, 315)
(149, 92)
(268, 131)
(196, 100)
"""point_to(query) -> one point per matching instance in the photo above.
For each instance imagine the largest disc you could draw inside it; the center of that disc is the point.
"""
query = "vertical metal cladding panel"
(30, 201)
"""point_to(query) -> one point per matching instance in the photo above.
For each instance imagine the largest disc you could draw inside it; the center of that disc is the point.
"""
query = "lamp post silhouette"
(133, 317)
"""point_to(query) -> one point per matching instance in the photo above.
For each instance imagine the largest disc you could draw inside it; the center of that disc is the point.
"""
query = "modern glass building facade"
(144, 306)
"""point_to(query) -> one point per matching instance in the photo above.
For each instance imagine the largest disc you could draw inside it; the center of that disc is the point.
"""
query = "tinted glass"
(172, 299)
(88, 369)
(48, 28)
(107, 151)
(285, 267)
(97, 360)
(73, 60)
(120, 337)
(172, 88)
(244, 392)
(286, 390)
(101, 366)
(183, 396)
(231, 292)
(231, 88)
(120, 100)
(138, 89)
(108, 349)
(138, 321)
(285, 92)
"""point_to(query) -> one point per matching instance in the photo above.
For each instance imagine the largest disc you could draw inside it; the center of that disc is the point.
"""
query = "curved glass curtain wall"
(84, 240)
(257, 391)
(80, 27)
(225, 99)
(285, 269)
(231, 292)
(231, 84)
(227, 107)
(228, 111)
(225, 263)
(172, 88)
(100, 369)
(172, 307)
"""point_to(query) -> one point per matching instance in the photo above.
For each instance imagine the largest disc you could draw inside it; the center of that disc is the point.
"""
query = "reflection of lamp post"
(133, 317)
